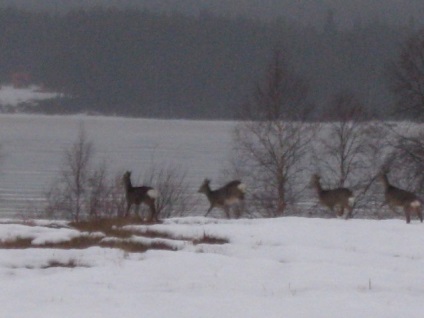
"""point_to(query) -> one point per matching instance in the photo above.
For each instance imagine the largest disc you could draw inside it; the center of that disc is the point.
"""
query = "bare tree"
(272, 140)
(349, 147)
(406, 162)
(102, 199)
(82, 188)
(345, 142)
(73, 183)
(176, 198)
(407, 78)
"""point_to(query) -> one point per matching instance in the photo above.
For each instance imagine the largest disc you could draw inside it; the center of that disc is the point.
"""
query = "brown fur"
(395, 197)
(231, 193)
(137, 195)
(332, 198)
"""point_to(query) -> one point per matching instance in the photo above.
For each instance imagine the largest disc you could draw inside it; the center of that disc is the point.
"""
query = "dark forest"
(136, 62)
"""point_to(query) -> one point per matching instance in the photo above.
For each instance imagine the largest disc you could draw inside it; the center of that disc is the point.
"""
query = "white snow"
(284, 267)
(11, 96)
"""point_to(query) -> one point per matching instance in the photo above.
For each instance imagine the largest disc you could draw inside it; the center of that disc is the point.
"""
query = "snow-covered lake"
(32, 148)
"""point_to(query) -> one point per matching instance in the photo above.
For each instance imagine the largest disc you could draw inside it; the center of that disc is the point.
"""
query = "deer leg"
(153, 216)
(349, 210)
(393, 209)
(227, 211)
(332, 210)
(127, 212)
(239, 209)
(419, 214)
(137, 208)
(341, 213)
(408, 215)
(210, 209)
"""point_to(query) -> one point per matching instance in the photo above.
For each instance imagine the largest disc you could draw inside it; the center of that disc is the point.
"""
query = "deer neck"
(317, 186)
(128, 184)
(208, 191)
(386, 182)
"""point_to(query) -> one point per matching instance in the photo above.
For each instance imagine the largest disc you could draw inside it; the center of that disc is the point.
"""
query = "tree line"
(140, 63)
(275, 158)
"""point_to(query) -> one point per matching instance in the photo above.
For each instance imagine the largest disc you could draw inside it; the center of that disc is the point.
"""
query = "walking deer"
(137, 195)
(395, 197)
(231, 193)
(332, 198)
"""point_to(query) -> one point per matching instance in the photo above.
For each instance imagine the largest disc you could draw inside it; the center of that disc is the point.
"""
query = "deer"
(231, 193)
(395, 197)
(331, 198)
(137, 195)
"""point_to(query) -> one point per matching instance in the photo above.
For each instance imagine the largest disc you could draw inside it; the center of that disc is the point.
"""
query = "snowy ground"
(11, 96)
(286, 267)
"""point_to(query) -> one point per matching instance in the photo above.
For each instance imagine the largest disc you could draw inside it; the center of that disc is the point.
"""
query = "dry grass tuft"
(205, 239)
(102, 225)
(208, 239)
(72, 263)
(135, 247)
(17, 243)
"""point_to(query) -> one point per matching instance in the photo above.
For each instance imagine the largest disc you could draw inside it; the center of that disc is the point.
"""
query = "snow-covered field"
(284, 267)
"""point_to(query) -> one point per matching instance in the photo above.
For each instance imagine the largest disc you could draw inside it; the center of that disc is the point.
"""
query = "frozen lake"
(32, 148)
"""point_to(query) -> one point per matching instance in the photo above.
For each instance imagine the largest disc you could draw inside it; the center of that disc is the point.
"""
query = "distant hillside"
(347, 12)
(141, 63)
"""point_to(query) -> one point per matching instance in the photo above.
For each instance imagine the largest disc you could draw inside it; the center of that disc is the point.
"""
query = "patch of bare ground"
(205, 239)
(17, 243)
(53, 263)
(72, 263)
(83, 242)
(115, 236)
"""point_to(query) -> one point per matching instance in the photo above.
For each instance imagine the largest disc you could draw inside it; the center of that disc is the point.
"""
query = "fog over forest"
(202, 58)
(305, 12)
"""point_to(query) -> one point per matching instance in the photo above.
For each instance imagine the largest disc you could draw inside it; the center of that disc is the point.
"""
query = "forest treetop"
(143, 63)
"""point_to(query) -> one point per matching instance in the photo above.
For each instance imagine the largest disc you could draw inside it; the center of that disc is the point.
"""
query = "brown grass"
(116, 237)
(104, 225)
(136, 247)
(17, 243)
(205, 239)
(72, 263)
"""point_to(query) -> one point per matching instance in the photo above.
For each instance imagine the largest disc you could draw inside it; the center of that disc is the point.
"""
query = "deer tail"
(415, 204)
(153, 193)
(242, 187)
(351, 200)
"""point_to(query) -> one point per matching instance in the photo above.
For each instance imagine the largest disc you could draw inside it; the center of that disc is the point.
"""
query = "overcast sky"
(347, 12)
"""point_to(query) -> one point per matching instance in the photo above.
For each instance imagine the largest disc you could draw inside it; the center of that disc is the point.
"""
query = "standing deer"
(138, 195)
(231, 193)
(331, 198)
(396, 197)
